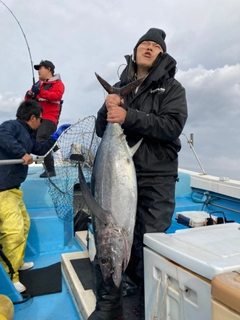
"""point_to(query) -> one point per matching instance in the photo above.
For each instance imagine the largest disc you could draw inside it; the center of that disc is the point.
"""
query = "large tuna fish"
(115, 193)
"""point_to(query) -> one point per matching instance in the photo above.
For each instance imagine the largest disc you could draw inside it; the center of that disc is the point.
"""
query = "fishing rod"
(24, 38)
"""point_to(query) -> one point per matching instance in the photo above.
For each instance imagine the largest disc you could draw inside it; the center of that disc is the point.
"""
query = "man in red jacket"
(48, 91)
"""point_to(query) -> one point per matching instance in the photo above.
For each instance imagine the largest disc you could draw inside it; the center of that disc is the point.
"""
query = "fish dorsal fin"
(135, 147)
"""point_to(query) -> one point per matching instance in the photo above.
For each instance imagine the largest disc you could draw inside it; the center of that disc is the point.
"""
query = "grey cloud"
(83, 38)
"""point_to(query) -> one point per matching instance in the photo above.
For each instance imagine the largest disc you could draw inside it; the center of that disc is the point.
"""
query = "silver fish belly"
(115, 189)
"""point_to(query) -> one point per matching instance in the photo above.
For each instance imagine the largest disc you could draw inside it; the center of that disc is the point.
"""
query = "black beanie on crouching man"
(153, 34)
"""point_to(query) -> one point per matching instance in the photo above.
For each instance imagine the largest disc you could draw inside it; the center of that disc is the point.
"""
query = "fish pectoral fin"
(135, 147)
(102, 214)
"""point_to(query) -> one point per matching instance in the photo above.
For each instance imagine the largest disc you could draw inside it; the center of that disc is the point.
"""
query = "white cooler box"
(179, 268)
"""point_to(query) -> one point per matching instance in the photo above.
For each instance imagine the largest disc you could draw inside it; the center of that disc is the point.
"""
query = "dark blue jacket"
(157, 113)
(16, 139)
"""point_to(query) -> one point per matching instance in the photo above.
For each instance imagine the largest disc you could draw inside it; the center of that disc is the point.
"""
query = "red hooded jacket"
(50, 96)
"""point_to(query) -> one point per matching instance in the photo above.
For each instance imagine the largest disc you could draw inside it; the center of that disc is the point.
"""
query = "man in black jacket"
(17, 142)
(156, 112)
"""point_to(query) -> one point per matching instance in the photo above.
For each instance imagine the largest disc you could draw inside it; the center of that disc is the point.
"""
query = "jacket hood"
(55, 77)
(163, 67)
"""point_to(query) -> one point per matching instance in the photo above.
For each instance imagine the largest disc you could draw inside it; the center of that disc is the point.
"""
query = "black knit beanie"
(153, 34)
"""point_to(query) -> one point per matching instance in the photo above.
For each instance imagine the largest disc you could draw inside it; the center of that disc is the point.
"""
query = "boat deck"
(53, 306)
(53, 240)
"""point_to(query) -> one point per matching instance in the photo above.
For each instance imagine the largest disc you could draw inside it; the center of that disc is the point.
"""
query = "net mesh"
(79, 139)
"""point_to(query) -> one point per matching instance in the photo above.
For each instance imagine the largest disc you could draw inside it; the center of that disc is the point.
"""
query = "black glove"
(29, 94)
(35, 89)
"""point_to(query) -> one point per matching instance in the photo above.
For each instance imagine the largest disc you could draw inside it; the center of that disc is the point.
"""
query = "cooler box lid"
(207, 251)
(226, 289)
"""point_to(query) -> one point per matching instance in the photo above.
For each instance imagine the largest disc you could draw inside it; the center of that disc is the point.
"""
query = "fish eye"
(103, 261)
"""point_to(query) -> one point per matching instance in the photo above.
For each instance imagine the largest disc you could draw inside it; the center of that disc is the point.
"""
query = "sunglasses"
(40, 118)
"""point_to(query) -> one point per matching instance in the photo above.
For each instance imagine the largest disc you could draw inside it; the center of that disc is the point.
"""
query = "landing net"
(79, 139)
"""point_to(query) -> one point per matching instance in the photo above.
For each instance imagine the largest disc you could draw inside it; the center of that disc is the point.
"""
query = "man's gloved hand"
(29, 94)
(35, 89)
(59, 131)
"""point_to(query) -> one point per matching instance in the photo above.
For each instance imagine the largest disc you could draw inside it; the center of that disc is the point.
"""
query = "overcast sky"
(83, 37)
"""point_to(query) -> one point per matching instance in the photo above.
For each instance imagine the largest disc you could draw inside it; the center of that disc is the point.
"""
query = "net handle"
(19, 161)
